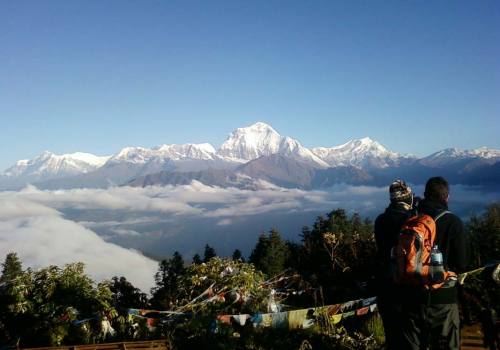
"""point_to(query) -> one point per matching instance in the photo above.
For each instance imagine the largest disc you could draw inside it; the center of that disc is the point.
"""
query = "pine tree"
(485, 235)
(237, 255)
(11, 268)
(12, 298)
(338, 252)
(209, 253)
(293, 258)
(177, 265)
(125, 295)
(270, 253)
(167, 281)
(197, 259)
(259, 251)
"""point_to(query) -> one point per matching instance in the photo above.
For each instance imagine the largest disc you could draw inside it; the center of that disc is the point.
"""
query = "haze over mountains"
(249, 154)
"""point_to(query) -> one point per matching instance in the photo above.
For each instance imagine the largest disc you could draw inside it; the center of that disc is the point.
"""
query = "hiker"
(387, 228)
(431, 318)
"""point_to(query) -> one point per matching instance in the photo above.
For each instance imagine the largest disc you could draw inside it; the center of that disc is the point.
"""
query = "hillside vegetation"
(334, 262)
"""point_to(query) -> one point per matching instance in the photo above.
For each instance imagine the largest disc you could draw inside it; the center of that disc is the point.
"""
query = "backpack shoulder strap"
(440, 215)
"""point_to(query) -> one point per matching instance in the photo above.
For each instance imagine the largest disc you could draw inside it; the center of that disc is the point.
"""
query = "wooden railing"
(472, 339)
(134, 345)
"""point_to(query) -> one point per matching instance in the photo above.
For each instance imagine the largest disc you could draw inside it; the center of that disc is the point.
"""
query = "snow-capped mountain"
(260, 139)
(251, 142)
(257, 152)
(362, 153)
(133, 162)
(141, 155)
(453, 155)
(49, 164)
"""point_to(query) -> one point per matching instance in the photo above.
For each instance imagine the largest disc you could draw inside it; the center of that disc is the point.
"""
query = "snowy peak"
(259, 127)
(446, 153)
(49, 164)
(203, 151)
(454, 155)
(88, 158)
(141, 155)
(259, 140)
(292, 148)
(136, 155)
(365, 144)
(252, 142)
(485, 152)
(482, 152)
(18, 168)
(360, 153)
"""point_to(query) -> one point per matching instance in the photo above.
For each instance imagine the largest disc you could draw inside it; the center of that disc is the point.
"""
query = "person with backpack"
(431, 251)
(387, 228)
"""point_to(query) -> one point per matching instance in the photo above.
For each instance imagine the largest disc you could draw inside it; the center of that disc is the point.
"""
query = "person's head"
(437, 189)
(399, 192)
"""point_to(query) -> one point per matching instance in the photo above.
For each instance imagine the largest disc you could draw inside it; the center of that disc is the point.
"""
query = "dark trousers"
(390, 311)
(434, 326)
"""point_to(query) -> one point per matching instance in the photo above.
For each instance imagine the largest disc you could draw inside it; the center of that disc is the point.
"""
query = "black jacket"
(387, 228)
(451, 237)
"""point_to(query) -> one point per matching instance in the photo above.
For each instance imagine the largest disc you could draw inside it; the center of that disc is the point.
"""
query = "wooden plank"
(139, 345)
(148, 346)
(472, 344)
(472, 338)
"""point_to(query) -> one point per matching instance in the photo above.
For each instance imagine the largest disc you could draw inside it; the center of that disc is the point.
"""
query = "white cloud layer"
(177, 200)
(31, 222)
(42, 237)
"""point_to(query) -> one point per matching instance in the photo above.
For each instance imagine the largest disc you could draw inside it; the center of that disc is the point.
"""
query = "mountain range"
(248, 156)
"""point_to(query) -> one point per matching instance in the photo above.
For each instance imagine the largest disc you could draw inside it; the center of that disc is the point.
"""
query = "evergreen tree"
(209, 253)
(338, 252)
(237, 255)
(270, 253)
(167, 281)
(125, 295)
(13, 301)
(293, 258)
(484, 234)
(11, 267)
(177, 263)
(197, 259)
(482, 292)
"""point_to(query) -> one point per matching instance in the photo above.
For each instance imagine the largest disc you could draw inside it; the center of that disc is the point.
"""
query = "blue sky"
(95, 76)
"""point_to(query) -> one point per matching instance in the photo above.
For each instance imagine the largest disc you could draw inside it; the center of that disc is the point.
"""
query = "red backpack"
(412, 254)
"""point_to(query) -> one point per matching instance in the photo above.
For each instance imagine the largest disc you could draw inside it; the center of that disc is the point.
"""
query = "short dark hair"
(437, 189)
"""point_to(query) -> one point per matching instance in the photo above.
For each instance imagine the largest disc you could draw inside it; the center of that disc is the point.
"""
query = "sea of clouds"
(107, 229)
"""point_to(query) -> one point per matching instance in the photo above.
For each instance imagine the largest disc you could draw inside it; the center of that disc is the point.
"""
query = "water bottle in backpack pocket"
(436, 269)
